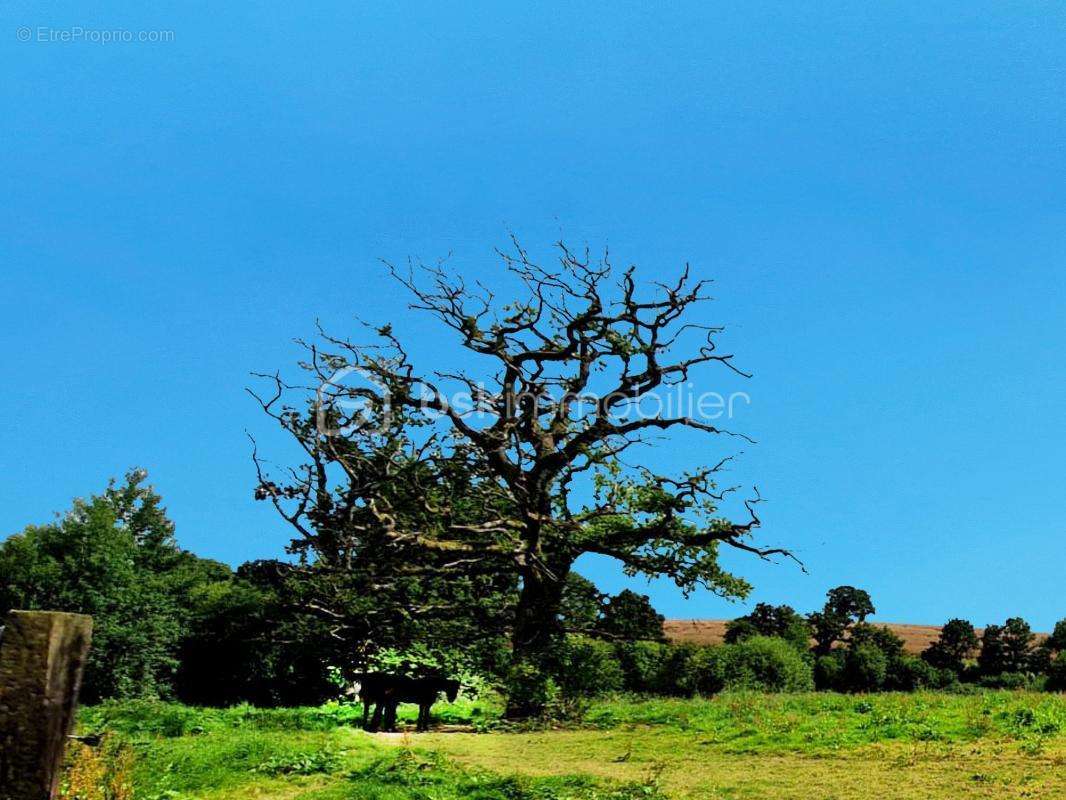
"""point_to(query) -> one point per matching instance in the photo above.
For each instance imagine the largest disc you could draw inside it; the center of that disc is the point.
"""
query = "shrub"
(739, 629)
(679, 674)
(845, 606)
(588, 667)
(705, 673)
(1040, 660)
(761, 663)
(1057, 640)
(581, 603)
(958, 640)
(876, 636)
(629, 615)
(767, 620)
(908, 673)
(1006, 648)
(1056, 681)
(1009, 680)
(829, 671)
(865, 669)
(528, 687)
(642, 665)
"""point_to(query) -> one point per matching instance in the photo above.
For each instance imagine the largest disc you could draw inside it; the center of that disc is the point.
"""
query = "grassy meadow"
(735, 745)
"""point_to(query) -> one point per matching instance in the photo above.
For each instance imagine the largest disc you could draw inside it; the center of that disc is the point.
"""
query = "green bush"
(528, 687)
(781, 622)
(1011, 680)
(865, 669)
(705, 670)
(680, 672)
(642, 665)
(588, 667)
(760, 663)
(876, 636)
(907, 673)
(1056, 680)
(829, 671)
(956, 643)
(1006, 648)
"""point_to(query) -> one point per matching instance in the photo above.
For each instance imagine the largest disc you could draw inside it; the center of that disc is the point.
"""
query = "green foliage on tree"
(626, 616)
(829, 671)
(586, 667)
(768, 620)
(878, 636)
(870, 658)
(845, 606)
(865, 669)
(112, 556)
(631, 616)
(1056, 681)
(760, 663)
(1056, 642)
(1006, 648)
(957, 643)
(251, 639)
(1042, 657)
(167, 623)
(582, 604)
(642, 666)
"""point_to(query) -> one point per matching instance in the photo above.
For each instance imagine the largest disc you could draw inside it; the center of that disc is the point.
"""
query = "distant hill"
(712, 631)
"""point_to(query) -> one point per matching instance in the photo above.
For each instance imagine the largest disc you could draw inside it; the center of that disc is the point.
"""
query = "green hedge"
(759, 662)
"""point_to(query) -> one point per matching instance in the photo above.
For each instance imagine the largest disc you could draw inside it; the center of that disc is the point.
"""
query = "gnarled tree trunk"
(536, 640)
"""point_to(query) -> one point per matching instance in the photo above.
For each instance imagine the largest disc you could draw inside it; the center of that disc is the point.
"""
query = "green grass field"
(989, 744)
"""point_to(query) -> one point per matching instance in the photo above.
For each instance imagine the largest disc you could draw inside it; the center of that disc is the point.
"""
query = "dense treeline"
(171, 624)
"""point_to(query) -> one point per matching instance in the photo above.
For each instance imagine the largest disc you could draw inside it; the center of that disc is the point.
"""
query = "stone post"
(42, 654)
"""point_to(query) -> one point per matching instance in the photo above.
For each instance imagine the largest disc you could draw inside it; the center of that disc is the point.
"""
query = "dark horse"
(385, 692)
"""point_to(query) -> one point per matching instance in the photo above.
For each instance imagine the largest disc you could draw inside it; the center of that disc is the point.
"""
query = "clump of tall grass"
(408, 773)
(156, 718)
(103, 772)
(747, 721)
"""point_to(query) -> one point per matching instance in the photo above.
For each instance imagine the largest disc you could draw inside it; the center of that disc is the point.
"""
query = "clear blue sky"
(879, 192)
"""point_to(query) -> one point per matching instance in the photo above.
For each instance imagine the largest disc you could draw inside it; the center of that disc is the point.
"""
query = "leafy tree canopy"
(112, 556)
(845, 606)
(782, 622)
(957, 642)
(1006, 648)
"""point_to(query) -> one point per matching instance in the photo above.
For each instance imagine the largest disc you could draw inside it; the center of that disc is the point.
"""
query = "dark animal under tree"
(385, 692)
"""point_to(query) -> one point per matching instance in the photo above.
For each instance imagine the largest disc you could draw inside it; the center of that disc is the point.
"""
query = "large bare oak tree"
(518, 461)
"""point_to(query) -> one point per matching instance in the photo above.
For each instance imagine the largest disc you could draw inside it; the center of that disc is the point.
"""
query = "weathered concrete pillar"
(42, 654)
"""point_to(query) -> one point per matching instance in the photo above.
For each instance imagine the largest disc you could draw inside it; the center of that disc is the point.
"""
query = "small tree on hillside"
(1006, 648)
(878, 636)
(845, 606)
(957, 642)
(566, 369)
(631, 616)
(1044, 658)
(782, 622)
(1057, 640)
